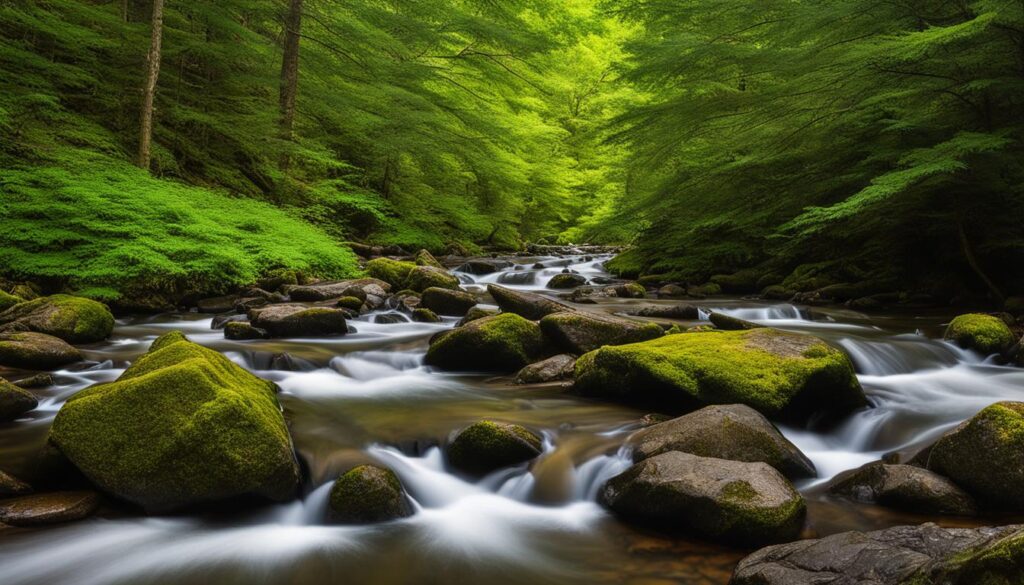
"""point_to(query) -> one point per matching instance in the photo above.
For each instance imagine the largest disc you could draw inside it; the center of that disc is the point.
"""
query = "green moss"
(8, 300)
(998, 562)
(772, 371)
(353, 303)
(503, 343)
(983, 333)
(488, 445)
(35, 351)
(423, 277)
(633, 290)
(423, 315)
(425, 258)
(14, 401)
(73, 319)
(748, 519)
(393, 272)
(365, 494)
(182, 425)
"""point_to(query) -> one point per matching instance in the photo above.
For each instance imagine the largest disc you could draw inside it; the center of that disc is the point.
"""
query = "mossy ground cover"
(983, 333)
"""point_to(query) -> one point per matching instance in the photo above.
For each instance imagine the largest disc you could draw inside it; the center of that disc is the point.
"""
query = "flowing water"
(366, 397)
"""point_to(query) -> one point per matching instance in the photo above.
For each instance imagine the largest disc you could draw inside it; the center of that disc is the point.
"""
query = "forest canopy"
(780, 143)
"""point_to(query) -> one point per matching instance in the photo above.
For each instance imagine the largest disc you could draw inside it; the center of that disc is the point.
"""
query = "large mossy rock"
(393, 272)
(454, 303)
(502, 343)
(14, 401)
(735, 432)
(983, 333)
(903, 555)
(985, 456)
(7, 300)
(579, 332)
(299, 321)
(423, 277)
(903, 487)
(525, 304)
(772, 371)
(73, 319)
(36, 351)
(182, 425)
(727, 501)
(367, 494)
(486, 446)
(566, 280)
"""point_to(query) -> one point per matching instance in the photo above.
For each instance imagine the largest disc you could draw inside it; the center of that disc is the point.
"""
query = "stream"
(366, 397)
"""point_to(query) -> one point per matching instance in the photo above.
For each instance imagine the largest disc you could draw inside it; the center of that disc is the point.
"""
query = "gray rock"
(217, 304)
(51, 508)
(36, 351)
(682, 312)
(734, 431)
(14, 401)
(579, 332)
(323, 291)
(482, 266)
(447, 302)
(727, 323)
(904, 487)
(298, 320)
(559, 367)
(727, 501)
(526, 304)
(671, 291)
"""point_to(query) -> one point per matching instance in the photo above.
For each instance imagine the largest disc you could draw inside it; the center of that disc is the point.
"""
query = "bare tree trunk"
(290, 73)
(149, 90)
(972, 261)
(124, 10)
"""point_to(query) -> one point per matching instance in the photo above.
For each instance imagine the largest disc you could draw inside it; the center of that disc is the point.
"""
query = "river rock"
(904, 487)
(422, 315)
(217, 304)
(276, 279)
(50, 508)
(425, 258)
(36, 351)
(729, 323)
(243, 331)
(481, 266)
(630, 290)
(352, 303)
(772, 371)
(323, 291)
(559, 367)
(36, 381)
(502, 343)
(182, 425)
(526, 304)
(985, 456)
(14, 401)
(671, 291)
(487, 445)
(579, 332)
(73, 319)
(11, 486)
(424, 277)
(367, 494)
(475, 313)
(983, 333)
(681, 312)
(903, 555)
(393, 272)
(448, 302)
(729, 501)
(299, 320)
(566, 280)
(734, 431)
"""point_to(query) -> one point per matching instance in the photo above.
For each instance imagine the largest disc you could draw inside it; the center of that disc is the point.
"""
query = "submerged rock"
(50, 508)
(559, 367)
(502, 343)
(36, 351)
(727, 501)
(772, 371)
(367, 494)
(525, 304)
(299, 320)
(735, 432)
(983, 333)
(487, 445)
(903, 487)
(442, 301)
(15, 401)
(985, 456)
(73, 319)
(903, 555)
(579, 332)
(182, 425)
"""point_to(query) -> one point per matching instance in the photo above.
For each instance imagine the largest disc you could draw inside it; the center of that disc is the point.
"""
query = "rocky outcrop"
(735, 432)
(903, 487)
(182, 425)
(579, 332)
(727, 501)
(367, 494)
(487, 446)
(73, 319)
(36, 351)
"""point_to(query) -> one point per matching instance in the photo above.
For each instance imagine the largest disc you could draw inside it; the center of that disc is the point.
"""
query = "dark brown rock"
(559, 367)
(904, 487)
(51, 508)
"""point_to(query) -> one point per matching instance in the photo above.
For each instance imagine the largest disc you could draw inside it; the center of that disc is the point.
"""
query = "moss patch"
(983, 333)
(367, 494)
(502, 343)
(73, 319)
(423, 277)
(8, 300)
(393, 272)
(487, 445)
(14, 401)
(35, 351)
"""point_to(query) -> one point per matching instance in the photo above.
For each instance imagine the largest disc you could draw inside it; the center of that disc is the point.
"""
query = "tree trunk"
(124, 10)
(972, 261)
(149, 90)
(290, 72)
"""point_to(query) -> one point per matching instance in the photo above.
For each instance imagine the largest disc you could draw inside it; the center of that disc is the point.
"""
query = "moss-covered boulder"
(488, 445)
(36, 351)
(425, 258)
(8, 300)
(502, 343)
(734, 431)
(566, 280)
(730, 323)
(14, 401)
(772, 371)
(244, 331)
(727, 501)
(903, 487)
(631, 290)
(422, 315)
(443, 301)
(299, 320)
(351, 303)
(423, 277)
(393, 272)
(525, 304)
(475, 313)
(367, 494)
(275, 279)
(985, 456)
(73, 319)
(182, 425)
(983, 333)
(579, 332)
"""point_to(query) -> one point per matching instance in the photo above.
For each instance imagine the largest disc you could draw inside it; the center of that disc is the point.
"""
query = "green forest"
(175, 148)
